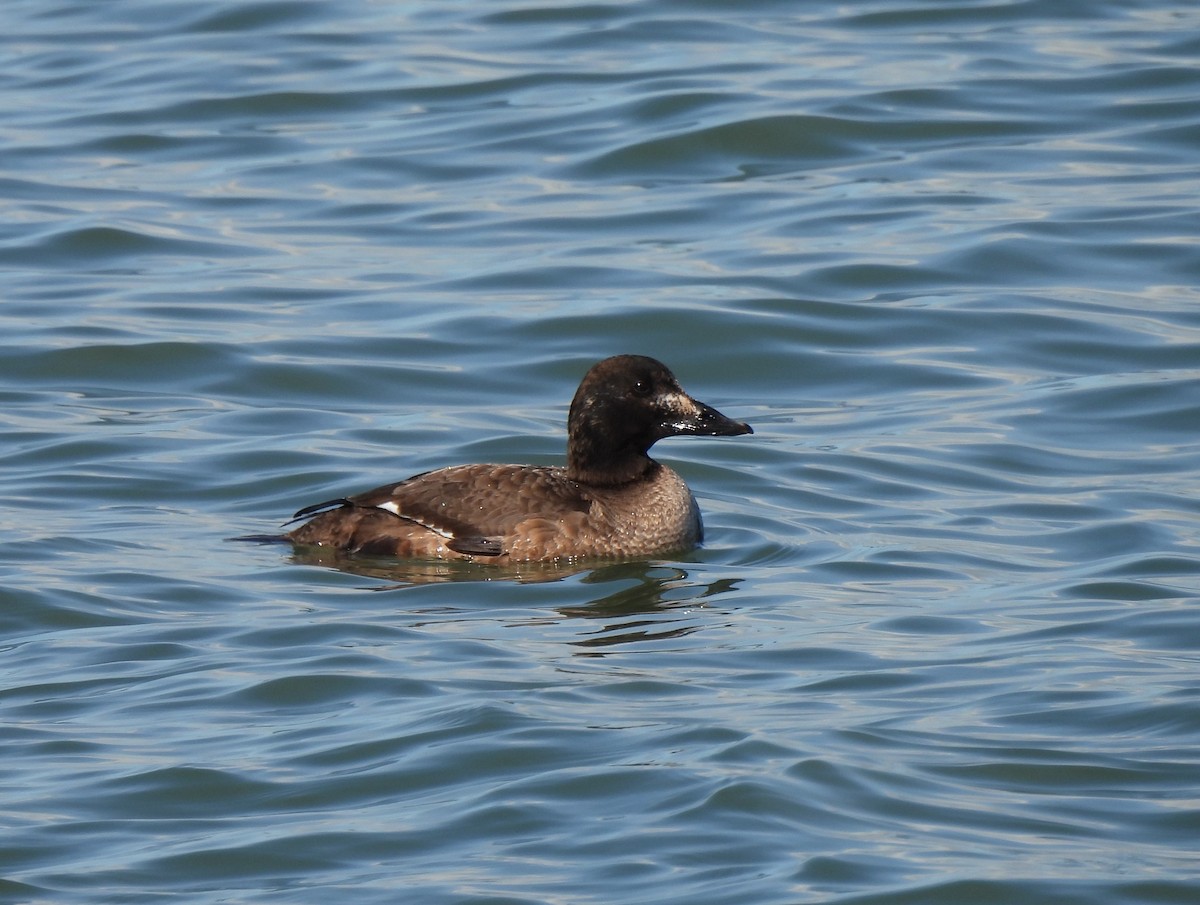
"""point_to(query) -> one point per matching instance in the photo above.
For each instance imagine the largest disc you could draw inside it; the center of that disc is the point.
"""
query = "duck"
(610, 499)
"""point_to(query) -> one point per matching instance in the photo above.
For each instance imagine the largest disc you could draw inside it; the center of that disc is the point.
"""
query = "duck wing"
(474, 509)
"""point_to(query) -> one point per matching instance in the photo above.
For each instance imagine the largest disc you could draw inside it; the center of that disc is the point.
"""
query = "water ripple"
(940, 643)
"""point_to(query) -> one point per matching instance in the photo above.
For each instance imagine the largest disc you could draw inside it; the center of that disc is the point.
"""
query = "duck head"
(626, 404)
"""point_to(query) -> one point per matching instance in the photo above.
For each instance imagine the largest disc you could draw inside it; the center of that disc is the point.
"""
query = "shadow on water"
(640, 601)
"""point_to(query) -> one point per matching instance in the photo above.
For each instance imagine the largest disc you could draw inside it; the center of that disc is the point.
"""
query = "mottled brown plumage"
(610, 500)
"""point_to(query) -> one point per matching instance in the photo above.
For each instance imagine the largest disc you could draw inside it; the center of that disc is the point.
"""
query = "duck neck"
(589, 463)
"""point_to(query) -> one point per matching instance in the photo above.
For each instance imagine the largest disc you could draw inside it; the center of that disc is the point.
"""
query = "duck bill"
(705, 421)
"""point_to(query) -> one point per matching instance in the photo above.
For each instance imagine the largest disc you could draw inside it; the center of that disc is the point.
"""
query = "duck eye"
(641, 388)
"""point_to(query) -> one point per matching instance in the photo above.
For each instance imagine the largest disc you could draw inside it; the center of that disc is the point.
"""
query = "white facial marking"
(678, 402)
(681, 406)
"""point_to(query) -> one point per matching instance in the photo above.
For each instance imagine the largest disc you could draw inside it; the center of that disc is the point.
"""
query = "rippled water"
(941, 645)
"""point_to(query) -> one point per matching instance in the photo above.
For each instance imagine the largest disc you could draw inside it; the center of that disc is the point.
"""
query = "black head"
(626, 404)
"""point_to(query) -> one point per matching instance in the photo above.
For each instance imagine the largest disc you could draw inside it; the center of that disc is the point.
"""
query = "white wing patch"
(391, 507)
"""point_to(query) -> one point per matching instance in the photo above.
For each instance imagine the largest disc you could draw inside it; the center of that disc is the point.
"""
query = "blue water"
(942, 644)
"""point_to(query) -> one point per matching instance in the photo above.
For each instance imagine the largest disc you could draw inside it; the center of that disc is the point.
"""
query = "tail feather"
(317, 508)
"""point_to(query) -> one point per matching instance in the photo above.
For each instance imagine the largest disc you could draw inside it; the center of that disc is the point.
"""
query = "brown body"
(611, 499)
(532, 513)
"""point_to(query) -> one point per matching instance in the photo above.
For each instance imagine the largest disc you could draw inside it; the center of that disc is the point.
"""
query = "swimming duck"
(610, 500)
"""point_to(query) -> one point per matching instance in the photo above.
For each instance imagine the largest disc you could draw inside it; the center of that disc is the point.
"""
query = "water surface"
(941, 643)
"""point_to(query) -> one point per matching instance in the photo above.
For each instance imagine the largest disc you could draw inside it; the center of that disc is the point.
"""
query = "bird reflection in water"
(650, 601)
